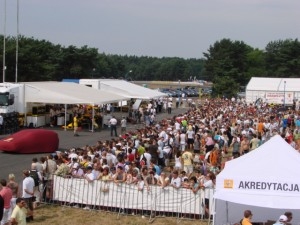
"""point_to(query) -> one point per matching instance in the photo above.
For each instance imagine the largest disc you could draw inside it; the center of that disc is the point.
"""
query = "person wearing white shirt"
(28, 192)
(169, 107)
(113, 126)
(176, 180)
(89, 176)
(148, 158)
(177, 125)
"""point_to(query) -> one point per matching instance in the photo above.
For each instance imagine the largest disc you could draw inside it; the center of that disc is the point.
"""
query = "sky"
(156, 28)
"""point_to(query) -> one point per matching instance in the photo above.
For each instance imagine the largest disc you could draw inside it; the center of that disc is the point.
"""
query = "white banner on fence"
(109, 194)
(278, 97)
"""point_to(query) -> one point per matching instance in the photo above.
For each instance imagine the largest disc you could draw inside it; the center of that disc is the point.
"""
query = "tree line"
(228, 64)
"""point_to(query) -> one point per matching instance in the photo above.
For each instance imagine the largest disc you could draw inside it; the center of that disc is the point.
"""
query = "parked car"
(206, 91)
(241, 94)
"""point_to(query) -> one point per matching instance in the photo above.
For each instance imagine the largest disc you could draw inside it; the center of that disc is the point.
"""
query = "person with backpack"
(145, 158)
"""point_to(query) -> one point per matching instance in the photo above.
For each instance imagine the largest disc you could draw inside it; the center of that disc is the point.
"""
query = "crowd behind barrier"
(168, 166)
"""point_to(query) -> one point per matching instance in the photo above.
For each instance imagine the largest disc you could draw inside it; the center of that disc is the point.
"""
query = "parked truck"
(11, 106)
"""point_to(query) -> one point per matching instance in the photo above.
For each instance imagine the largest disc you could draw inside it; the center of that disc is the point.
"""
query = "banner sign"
(278, 97)
(246, 185)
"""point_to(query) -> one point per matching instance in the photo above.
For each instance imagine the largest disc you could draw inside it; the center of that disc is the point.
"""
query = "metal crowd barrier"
(126, 199)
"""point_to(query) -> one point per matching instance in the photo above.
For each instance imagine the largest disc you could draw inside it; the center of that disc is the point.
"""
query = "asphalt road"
(16, 163)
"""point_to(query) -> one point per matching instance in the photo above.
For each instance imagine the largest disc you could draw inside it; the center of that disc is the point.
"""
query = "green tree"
(227, 60)
(282, 58)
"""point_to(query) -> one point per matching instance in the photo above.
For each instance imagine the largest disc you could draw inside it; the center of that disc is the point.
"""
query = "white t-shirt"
(208, 185)
(90, 176)
(113, 121)
(28, 184)
(190, 134)
(176, 182)
(182, 138)
(123, 123)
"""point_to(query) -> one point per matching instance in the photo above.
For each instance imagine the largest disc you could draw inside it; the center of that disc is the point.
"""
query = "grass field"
(59, 215)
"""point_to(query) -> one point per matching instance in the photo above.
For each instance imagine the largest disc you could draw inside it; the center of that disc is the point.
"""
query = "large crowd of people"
(185, 151)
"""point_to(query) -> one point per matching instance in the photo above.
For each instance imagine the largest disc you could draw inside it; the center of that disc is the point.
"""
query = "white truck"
(11, 98)
(11, 104)
(15, 113)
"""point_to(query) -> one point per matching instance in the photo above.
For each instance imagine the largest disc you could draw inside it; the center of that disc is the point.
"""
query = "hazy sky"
(181, 28)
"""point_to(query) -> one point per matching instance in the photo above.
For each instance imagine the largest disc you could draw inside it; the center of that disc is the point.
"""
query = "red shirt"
(6, 194)
(131, 157)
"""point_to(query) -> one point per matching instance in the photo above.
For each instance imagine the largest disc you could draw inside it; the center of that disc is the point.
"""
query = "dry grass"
(59, 215)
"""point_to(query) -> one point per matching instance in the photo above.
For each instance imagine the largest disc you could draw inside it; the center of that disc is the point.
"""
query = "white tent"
(122, 87)
(67, 93)
(265, 180)
(273, 90)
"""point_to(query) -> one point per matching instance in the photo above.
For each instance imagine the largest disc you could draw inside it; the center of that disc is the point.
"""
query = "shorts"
(197, 151)
(188, 169)
(6, 216)
(190, 141)
(209, 148)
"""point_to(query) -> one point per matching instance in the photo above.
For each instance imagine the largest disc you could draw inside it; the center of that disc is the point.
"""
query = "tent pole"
(93, 116)
(227, 219)
(122, 109)
(25, 105)
(65, 117)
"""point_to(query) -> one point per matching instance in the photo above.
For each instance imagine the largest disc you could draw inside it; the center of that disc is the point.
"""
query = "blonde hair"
(11, 176)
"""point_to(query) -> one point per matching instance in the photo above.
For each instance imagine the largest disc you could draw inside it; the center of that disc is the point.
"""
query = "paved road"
(15, 163)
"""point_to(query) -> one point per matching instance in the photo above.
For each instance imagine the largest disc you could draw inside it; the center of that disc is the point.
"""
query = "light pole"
(17, 43)
(4, 39)
(284, 83)
(179, 94)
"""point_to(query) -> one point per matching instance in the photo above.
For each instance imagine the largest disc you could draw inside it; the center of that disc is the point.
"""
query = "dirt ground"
(61, 215)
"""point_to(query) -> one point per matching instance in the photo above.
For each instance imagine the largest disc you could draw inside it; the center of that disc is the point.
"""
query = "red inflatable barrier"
(31, 141)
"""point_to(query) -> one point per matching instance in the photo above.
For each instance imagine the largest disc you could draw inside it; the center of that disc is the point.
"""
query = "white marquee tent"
(122, 87)
(265, 181)
(67, 93)
(273, 89)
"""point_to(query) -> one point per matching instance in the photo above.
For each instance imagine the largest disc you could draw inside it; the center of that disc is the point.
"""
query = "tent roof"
(127, 89)
(273, 84)
(67, 93)
(265, 177)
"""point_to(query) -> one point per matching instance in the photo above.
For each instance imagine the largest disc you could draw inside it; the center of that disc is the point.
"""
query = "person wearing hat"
(282, 220)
